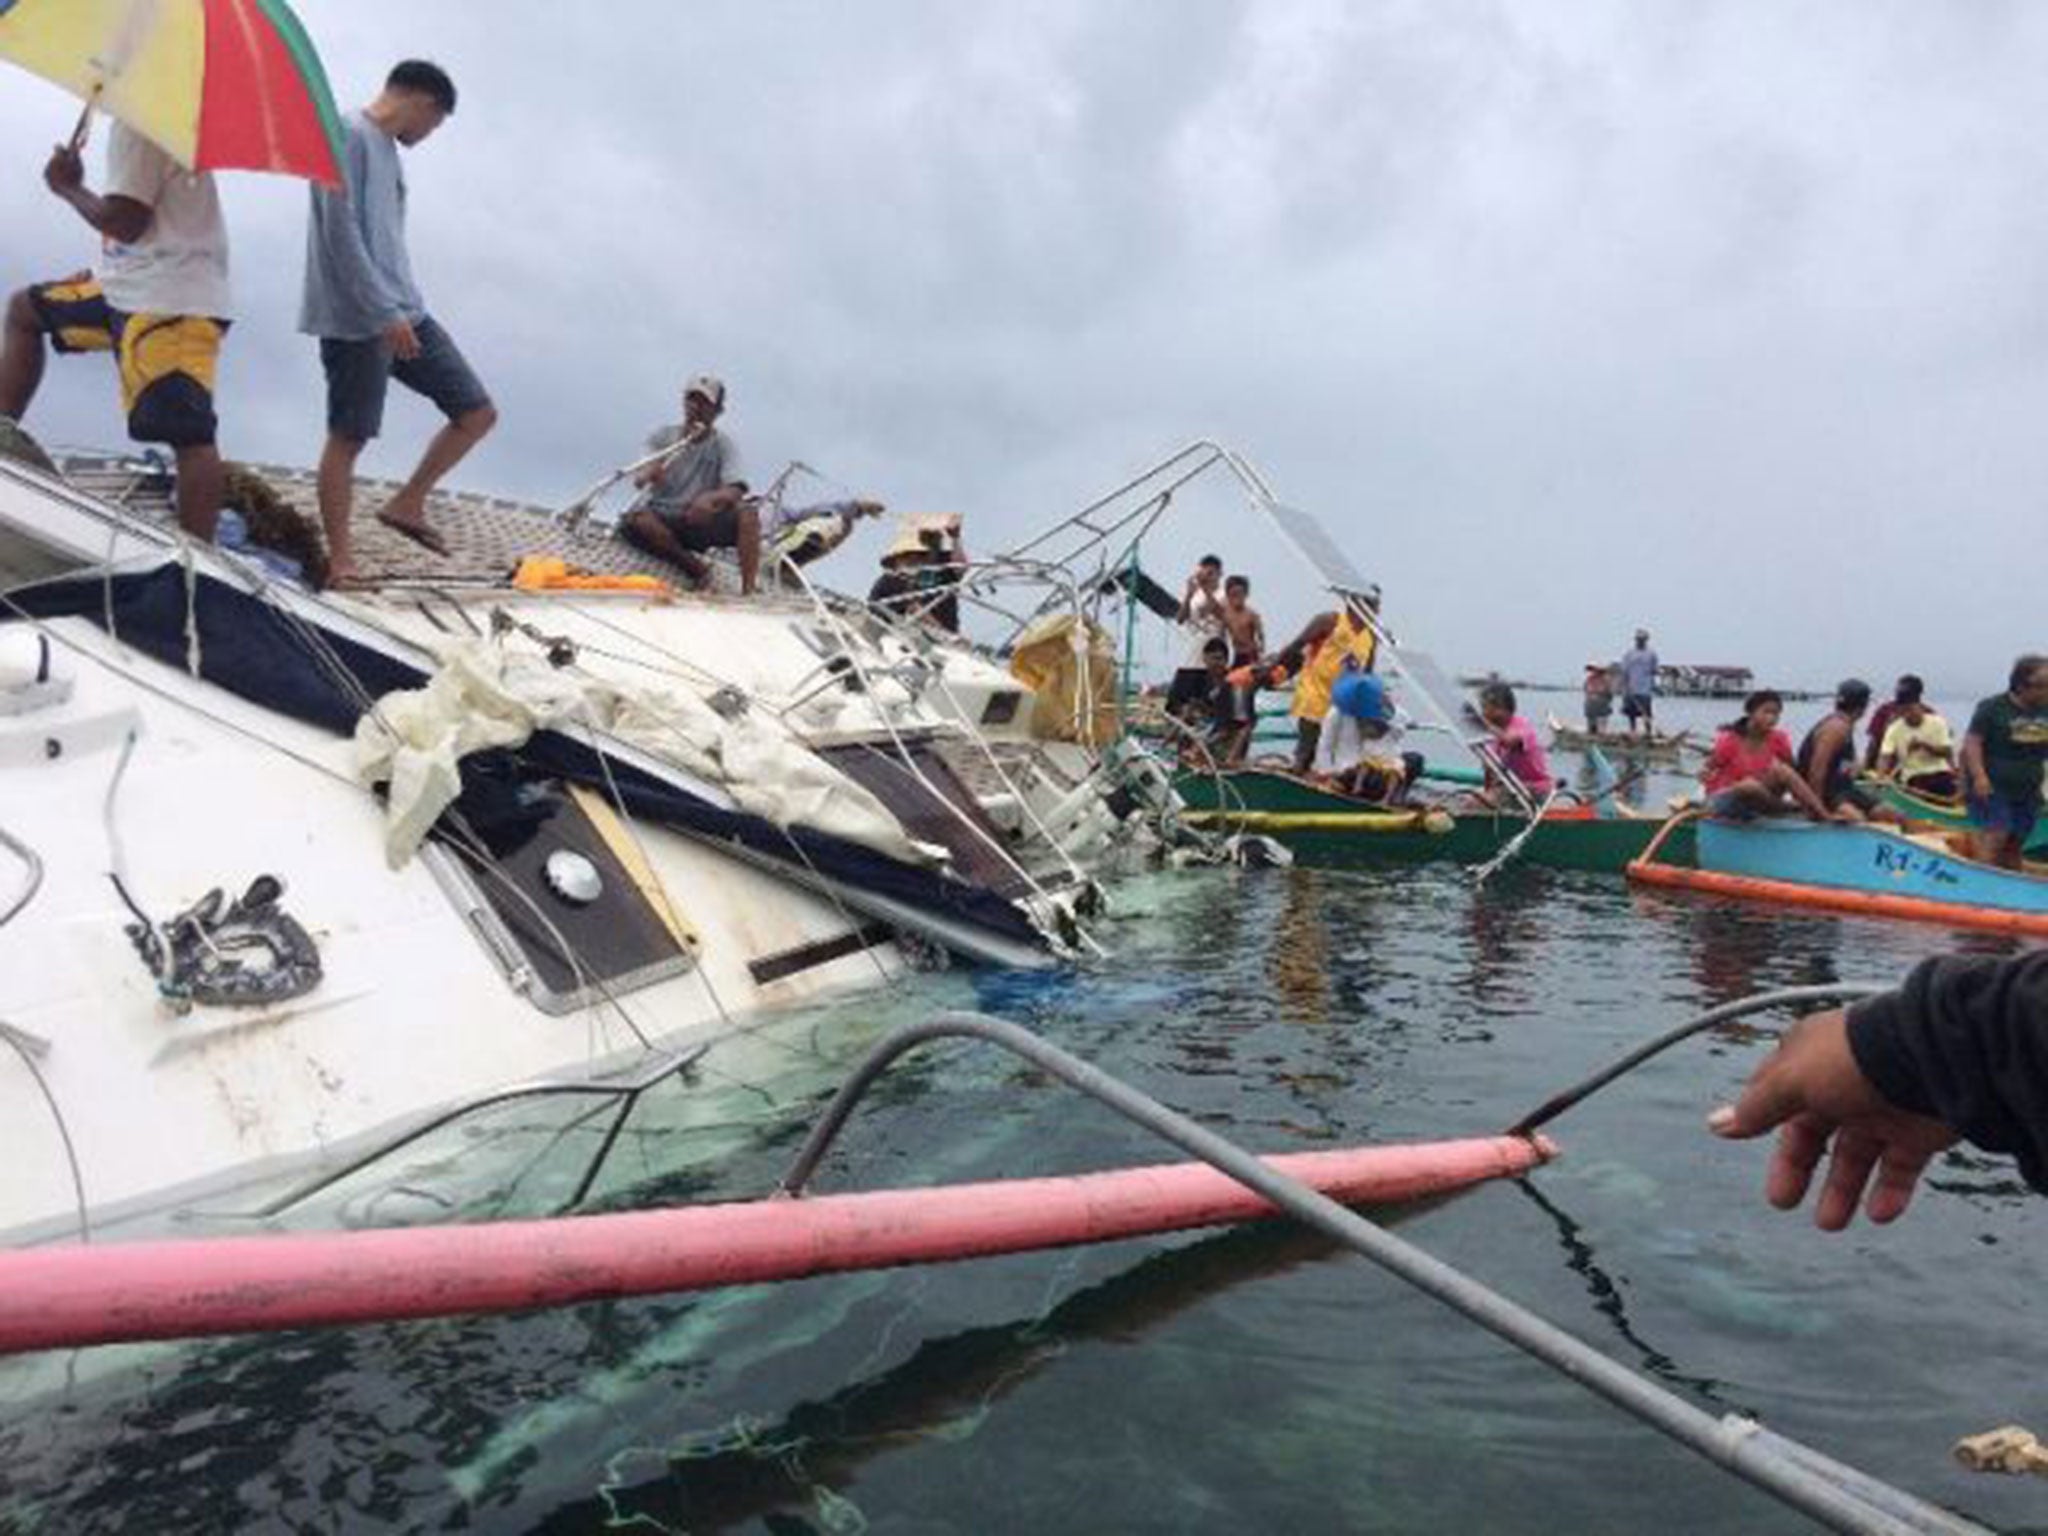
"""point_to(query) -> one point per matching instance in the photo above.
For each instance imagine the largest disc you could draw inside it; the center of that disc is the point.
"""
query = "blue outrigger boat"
(1864, 869)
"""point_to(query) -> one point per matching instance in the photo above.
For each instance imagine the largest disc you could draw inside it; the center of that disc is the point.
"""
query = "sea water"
(1254, 1380)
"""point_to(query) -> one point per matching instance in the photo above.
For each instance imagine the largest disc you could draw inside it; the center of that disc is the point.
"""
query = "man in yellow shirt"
(1317, 655)
(1919, 750)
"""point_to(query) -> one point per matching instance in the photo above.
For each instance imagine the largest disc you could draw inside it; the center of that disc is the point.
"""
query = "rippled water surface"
(1252, 1381)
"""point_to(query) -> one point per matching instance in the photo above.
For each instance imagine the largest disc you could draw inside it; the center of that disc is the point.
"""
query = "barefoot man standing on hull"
(363, 305)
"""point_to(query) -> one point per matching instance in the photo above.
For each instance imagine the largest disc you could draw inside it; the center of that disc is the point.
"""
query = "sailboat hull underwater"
(600, 826)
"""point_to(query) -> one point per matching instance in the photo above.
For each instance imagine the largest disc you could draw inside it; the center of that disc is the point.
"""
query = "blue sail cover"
(256, 652)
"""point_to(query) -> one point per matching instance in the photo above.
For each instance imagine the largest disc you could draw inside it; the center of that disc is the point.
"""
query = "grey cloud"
(1726, 316)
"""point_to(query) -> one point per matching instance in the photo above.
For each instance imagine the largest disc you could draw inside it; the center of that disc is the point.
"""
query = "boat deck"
(487, 536)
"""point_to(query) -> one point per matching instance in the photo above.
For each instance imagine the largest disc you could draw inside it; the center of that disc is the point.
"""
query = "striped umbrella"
(217, 84)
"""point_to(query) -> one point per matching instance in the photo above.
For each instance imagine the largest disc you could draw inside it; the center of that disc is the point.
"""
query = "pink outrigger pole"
(69, 1297)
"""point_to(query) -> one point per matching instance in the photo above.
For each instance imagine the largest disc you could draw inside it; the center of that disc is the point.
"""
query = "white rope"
(193, 658)
(15, 1038)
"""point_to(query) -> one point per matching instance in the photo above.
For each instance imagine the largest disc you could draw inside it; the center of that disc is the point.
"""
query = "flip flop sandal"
(419, 533)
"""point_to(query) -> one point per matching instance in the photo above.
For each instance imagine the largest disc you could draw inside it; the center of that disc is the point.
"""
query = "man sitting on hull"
(695, 500)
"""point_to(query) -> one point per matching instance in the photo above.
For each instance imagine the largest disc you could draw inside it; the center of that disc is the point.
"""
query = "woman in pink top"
(1750, 772)
(1514, 745)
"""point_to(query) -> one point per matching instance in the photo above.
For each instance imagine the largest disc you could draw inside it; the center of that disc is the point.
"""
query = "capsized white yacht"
(283, 874)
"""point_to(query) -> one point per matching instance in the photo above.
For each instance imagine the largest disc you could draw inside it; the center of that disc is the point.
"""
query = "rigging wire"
(14, 1038)
(973, 827)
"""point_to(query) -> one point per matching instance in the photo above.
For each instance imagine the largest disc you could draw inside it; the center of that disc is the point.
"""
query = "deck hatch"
(620, 941)
(951, 817)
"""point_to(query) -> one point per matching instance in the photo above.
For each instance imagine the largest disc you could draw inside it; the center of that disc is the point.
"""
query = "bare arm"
(1315, 632)
(1976, 779)
(121, 219)
(1825, 741)
(1807, 797)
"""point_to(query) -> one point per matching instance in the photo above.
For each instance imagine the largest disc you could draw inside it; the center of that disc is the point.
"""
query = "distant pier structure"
(1705, 682)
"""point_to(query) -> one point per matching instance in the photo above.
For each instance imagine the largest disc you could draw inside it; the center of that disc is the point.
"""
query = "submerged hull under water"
(161, 1046)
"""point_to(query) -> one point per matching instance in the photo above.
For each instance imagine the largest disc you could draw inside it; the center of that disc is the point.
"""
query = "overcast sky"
(1563, 315)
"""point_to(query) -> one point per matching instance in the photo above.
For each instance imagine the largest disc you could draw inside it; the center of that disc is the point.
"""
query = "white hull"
(412, 1011)
(423, 1002)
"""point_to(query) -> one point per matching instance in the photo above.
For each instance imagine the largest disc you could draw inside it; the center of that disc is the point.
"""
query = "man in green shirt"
(2002, 760)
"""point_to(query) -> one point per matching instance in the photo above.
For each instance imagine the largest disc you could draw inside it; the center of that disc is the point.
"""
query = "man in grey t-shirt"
(1639, 684)
(362, 303)
(694, 500)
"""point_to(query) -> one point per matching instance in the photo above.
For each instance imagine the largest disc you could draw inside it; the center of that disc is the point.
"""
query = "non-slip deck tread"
(487, 536)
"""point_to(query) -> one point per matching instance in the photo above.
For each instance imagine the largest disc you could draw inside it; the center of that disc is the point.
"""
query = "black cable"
(1835, 1495)
(1551, 1108)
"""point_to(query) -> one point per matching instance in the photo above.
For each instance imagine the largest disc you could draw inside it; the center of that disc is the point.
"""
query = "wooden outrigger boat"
(1652, 746)
(1926, 811)
(1327, 829)
(1864, 869)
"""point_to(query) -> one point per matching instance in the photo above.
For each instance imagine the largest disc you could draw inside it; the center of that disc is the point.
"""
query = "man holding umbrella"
(159, 303)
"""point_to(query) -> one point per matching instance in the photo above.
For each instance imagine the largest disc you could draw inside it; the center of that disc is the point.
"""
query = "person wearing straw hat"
(160, 303)
(921, 572)
(1599, 696)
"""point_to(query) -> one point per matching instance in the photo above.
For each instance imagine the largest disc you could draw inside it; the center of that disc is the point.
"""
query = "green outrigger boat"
(1329, 830)
(1943, 815)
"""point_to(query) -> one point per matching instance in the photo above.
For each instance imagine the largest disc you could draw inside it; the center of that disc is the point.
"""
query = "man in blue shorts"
(361, 301)
(2002, 763)
(1639, 685)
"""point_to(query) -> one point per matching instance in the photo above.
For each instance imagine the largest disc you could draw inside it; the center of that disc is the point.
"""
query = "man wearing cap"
(694, 499)
(1827, 757)
(1639, 685)
(1881, 718)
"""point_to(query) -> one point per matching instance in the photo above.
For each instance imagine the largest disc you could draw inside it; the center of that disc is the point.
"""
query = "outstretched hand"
(1811, 1089)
